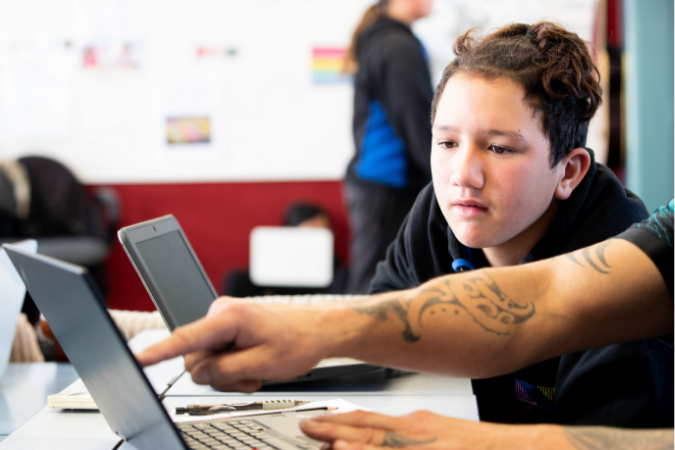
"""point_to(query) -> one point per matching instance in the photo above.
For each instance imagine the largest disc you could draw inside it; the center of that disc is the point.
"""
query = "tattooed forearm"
(573, 258)
(477, 296)
(395, 440)
(596, 259)
(400, 308)
(600, 252)
(603, 438)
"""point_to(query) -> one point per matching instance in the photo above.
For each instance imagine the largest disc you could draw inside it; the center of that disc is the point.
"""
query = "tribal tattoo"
(395, 440)
(478, 295)
(596, 260)
(603, 438)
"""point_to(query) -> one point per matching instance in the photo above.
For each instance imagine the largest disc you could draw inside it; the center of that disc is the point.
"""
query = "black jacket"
(392, 103)
(629, 385)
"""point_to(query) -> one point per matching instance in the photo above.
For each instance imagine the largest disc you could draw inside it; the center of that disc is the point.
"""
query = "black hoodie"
(392, 100)
(626, 385)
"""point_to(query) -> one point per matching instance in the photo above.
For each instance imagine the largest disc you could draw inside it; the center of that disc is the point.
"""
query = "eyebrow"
(491, 132)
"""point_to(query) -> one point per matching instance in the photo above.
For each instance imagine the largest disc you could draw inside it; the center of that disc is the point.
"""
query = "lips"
(469, 207)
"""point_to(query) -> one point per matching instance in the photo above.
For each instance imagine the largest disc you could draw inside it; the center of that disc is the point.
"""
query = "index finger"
(207, 333)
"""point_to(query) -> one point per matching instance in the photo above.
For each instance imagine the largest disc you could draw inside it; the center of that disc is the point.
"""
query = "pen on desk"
(169, 385)
(267, 405)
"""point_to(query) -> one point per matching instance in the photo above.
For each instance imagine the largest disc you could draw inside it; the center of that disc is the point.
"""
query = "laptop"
(73, 307)
(12, 293)
(182, 292)
(291, 257)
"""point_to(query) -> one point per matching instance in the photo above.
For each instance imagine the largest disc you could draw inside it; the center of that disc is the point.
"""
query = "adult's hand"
(423, 430)
(420, 430)
(238, 344)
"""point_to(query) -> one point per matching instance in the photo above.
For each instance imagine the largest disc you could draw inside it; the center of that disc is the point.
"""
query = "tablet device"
(170, 270)
(177, 283)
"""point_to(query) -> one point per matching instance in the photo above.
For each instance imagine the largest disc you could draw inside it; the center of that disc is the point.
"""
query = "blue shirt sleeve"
(654, 236)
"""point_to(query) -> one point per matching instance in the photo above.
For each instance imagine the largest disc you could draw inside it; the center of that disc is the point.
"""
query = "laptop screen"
(12, 291)
(67, 298)
(183, 287)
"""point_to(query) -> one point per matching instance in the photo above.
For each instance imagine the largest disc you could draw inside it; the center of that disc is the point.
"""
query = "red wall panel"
(217, 219)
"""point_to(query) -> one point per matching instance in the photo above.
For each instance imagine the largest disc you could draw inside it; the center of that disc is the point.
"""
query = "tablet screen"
(184, 289)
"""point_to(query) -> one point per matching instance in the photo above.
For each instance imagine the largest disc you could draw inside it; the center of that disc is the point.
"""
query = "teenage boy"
(513, 183)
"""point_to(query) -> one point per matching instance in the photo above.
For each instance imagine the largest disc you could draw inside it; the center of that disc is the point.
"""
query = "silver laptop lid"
(73, 307)
(12, 293)
(291, 256)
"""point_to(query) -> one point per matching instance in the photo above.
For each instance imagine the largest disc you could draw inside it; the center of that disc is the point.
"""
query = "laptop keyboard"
(232, 435)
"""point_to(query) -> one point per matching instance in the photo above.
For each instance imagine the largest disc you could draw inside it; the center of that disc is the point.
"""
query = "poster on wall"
(38, 90)
(328, 66)
(113, 39)
(188, 130)
(190, 117)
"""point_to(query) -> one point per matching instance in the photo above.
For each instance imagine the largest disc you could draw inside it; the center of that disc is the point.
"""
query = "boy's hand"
(239, 344)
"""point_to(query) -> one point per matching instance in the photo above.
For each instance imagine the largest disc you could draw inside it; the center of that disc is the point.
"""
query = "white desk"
(56, 430)
(59, 430)
(24, 389)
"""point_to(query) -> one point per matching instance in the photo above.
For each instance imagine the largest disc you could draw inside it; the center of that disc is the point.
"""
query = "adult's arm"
(476, 324)
(426, 431)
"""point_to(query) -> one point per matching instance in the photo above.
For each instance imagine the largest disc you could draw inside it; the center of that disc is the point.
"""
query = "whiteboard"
(266, 117)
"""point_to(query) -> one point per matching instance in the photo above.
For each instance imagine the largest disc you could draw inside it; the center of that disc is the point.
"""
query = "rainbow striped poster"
(328, 66)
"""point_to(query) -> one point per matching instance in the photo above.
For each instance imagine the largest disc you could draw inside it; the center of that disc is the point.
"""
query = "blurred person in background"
(392, 131)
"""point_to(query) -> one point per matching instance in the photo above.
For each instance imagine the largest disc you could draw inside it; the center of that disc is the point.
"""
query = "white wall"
(270, 121)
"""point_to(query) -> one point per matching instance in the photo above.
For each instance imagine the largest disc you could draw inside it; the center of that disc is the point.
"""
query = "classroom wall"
(259, 73)
(244, 66)
(650, 149)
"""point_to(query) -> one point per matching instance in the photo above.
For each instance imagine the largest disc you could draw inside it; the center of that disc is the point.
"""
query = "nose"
(467, 169)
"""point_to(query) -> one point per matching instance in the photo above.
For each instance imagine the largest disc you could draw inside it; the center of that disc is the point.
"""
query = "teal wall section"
(649, 100)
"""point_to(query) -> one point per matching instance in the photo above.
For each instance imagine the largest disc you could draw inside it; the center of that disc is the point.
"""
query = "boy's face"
(490, 163)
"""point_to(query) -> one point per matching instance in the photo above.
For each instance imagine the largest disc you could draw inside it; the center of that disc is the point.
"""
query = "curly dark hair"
(553, 65)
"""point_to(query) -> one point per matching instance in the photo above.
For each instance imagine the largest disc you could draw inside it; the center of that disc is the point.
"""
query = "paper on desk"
(342, 406)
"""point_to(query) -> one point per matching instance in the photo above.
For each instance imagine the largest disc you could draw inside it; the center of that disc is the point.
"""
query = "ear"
(574, 167)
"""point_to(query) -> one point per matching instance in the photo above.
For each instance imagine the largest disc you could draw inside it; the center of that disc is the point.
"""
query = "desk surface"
(377, 391)
(24, 389)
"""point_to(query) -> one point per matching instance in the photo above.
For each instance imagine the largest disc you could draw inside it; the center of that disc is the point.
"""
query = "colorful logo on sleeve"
(533, 402)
